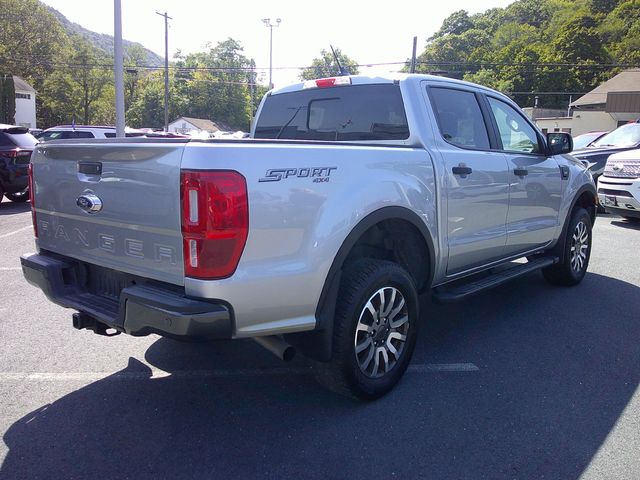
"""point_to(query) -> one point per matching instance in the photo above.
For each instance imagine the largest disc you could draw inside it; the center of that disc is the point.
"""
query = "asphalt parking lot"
(528, 381)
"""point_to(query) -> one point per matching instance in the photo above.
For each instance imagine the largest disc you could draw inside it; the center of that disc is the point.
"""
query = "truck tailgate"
(138, 227)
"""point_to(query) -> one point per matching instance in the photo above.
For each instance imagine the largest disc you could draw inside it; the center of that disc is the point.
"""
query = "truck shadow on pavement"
(556, 369)
(630, 224)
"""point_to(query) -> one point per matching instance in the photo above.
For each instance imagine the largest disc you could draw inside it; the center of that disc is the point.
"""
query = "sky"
(368, 32)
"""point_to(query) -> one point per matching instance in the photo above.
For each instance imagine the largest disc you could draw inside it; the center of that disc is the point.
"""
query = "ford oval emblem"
(89, 202)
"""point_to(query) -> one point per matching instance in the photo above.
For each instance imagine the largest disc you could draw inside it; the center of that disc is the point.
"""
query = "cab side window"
(515, 132)
(460, 118)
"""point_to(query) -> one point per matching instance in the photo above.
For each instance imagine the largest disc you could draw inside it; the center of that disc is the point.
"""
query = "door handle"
(520, 172)
(461, 170)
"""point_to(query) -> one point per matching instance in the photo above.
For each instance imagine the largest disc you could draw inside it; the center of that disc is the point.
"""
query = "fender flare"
(317, 344)
(559, 246)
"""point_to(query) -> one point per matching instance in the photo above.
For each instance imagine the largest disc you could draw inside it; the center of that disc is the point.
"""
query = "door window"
(460, 118)
(515, 132)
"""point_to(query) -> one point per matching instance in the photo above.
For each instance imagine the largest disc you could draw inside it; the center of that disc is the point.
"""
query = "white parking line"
(5, 235)
(10, 269)
(198, 374)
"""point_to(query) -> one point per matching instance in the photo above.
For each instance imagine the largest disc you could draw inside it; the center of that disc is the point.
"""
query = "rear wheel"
(375, 330)
(22, 196)
(577, 250)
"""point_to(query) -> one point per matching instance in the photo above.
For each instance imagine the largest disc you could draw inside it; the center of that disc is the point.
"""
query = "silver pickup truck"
(353, 196)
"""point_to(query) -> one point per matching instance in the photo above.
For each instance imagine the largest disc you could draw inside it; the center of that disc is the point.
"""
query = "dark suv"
(16, 146)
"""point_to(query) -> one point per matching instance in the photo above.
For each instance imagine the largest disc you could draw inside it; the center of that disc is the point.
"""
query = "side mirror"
(559, 143)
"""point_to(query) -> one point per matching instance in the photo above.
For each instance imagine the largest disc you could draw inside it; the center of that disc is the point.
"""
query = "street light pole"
(267, 22)
(118, 62)
(166, 69)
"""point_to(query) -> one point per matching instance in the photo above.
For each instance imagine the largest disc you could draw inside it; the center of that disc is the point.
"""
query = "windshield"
(582, 141)
(50, 135)
(624, 136)
(345, 113)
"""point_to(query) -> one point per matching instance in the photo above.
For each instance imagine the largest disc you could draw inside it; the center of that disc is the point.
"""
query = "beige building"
(606, 107)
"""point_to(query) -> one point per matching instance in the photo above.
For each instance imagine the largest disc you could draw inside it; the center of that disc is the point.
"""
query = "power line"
(479, 65)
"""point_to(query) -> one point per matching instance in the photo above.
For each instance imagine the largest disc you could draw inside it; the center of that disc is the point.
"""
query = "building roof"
(21, 85)
(626, 81)
(206, 125)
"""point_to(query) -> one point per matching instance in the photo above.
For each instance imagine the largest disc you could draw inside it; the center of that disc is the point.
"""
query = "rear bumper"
(141, 308)
(15, 179)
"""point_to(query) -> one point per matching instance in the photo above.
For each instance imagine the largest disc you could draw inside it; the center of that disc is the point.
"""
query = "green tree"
(530, 12)
(91, 74)
(135, 56)
(452, 53)
(326, 66)
(30, 38)
(216, 84)
(455, 24)
(603, 6)
(7, 99)
(147, 110)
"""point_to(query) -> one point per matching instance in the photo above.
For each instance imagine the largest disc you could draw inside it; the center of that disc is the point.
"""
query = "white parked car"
(619, 184)
(66, 132)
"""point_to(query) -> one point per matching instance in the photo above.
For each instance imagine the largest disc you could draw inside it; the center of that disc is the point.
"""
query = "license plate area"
(107, 283)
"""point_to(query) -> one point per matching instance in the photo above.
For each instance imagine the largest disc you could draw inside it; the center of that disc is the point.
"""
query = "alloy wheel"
(381, 333)
(579, 247)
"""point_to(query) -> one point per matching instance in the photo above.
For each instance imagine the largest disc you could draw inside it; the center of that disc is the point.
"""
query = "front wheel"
(21, 197)
(375, 330)
(577, 251)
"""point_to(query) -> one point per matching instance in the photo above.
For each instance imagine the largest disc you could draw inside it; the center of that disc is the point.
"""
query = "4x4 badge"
(89, 202)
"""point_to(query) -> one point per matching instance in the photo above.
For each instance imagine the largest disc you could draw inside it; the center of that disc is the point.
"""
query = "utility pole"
(118, 63)
(267, 22)
(413, 55)
(166, 69)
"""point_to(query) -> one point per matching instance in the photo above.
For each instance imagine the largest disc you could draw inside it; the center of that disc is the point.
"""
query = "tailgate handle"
(90, 168)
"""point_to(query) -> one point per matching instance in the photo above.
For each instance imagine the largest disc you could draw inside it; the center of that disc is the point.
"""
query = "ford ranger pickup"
(353, 196)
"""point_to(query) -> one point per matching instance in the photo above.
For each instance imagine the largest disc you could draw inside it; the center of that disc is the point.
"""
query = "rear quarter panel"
(297, 224)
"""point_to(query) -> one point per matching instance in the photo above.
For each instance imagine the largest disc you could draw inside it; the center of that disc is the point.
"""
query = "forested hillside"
(538, 46)
(104, 42)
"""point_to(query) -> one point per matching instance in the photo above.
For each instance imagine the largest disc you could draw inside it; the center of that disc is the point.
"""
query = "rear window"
(21, 140)
(348, 113)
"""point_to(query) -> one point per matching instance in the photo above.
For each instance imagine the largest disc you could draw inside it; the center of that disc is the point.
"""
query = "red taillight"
(32, 200)
(215, 222)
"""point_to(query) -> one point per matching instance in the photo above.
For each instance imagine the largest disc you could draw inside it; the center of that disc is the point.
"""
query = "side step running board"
(460, 291)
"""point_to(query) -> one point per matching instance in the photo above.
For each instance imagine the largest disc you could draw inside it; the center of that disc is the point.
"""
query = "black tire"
(577, 251)
(361, 285)
(19, 197)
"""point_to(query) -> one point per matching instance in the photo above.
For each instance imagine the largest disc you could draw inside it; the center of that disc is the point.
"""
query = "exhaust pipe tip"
(288, 354)
(277, 346)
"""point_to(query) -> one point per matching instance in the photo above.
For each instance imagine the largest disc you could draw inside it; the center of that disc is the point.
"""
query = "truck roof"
(389, 78)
